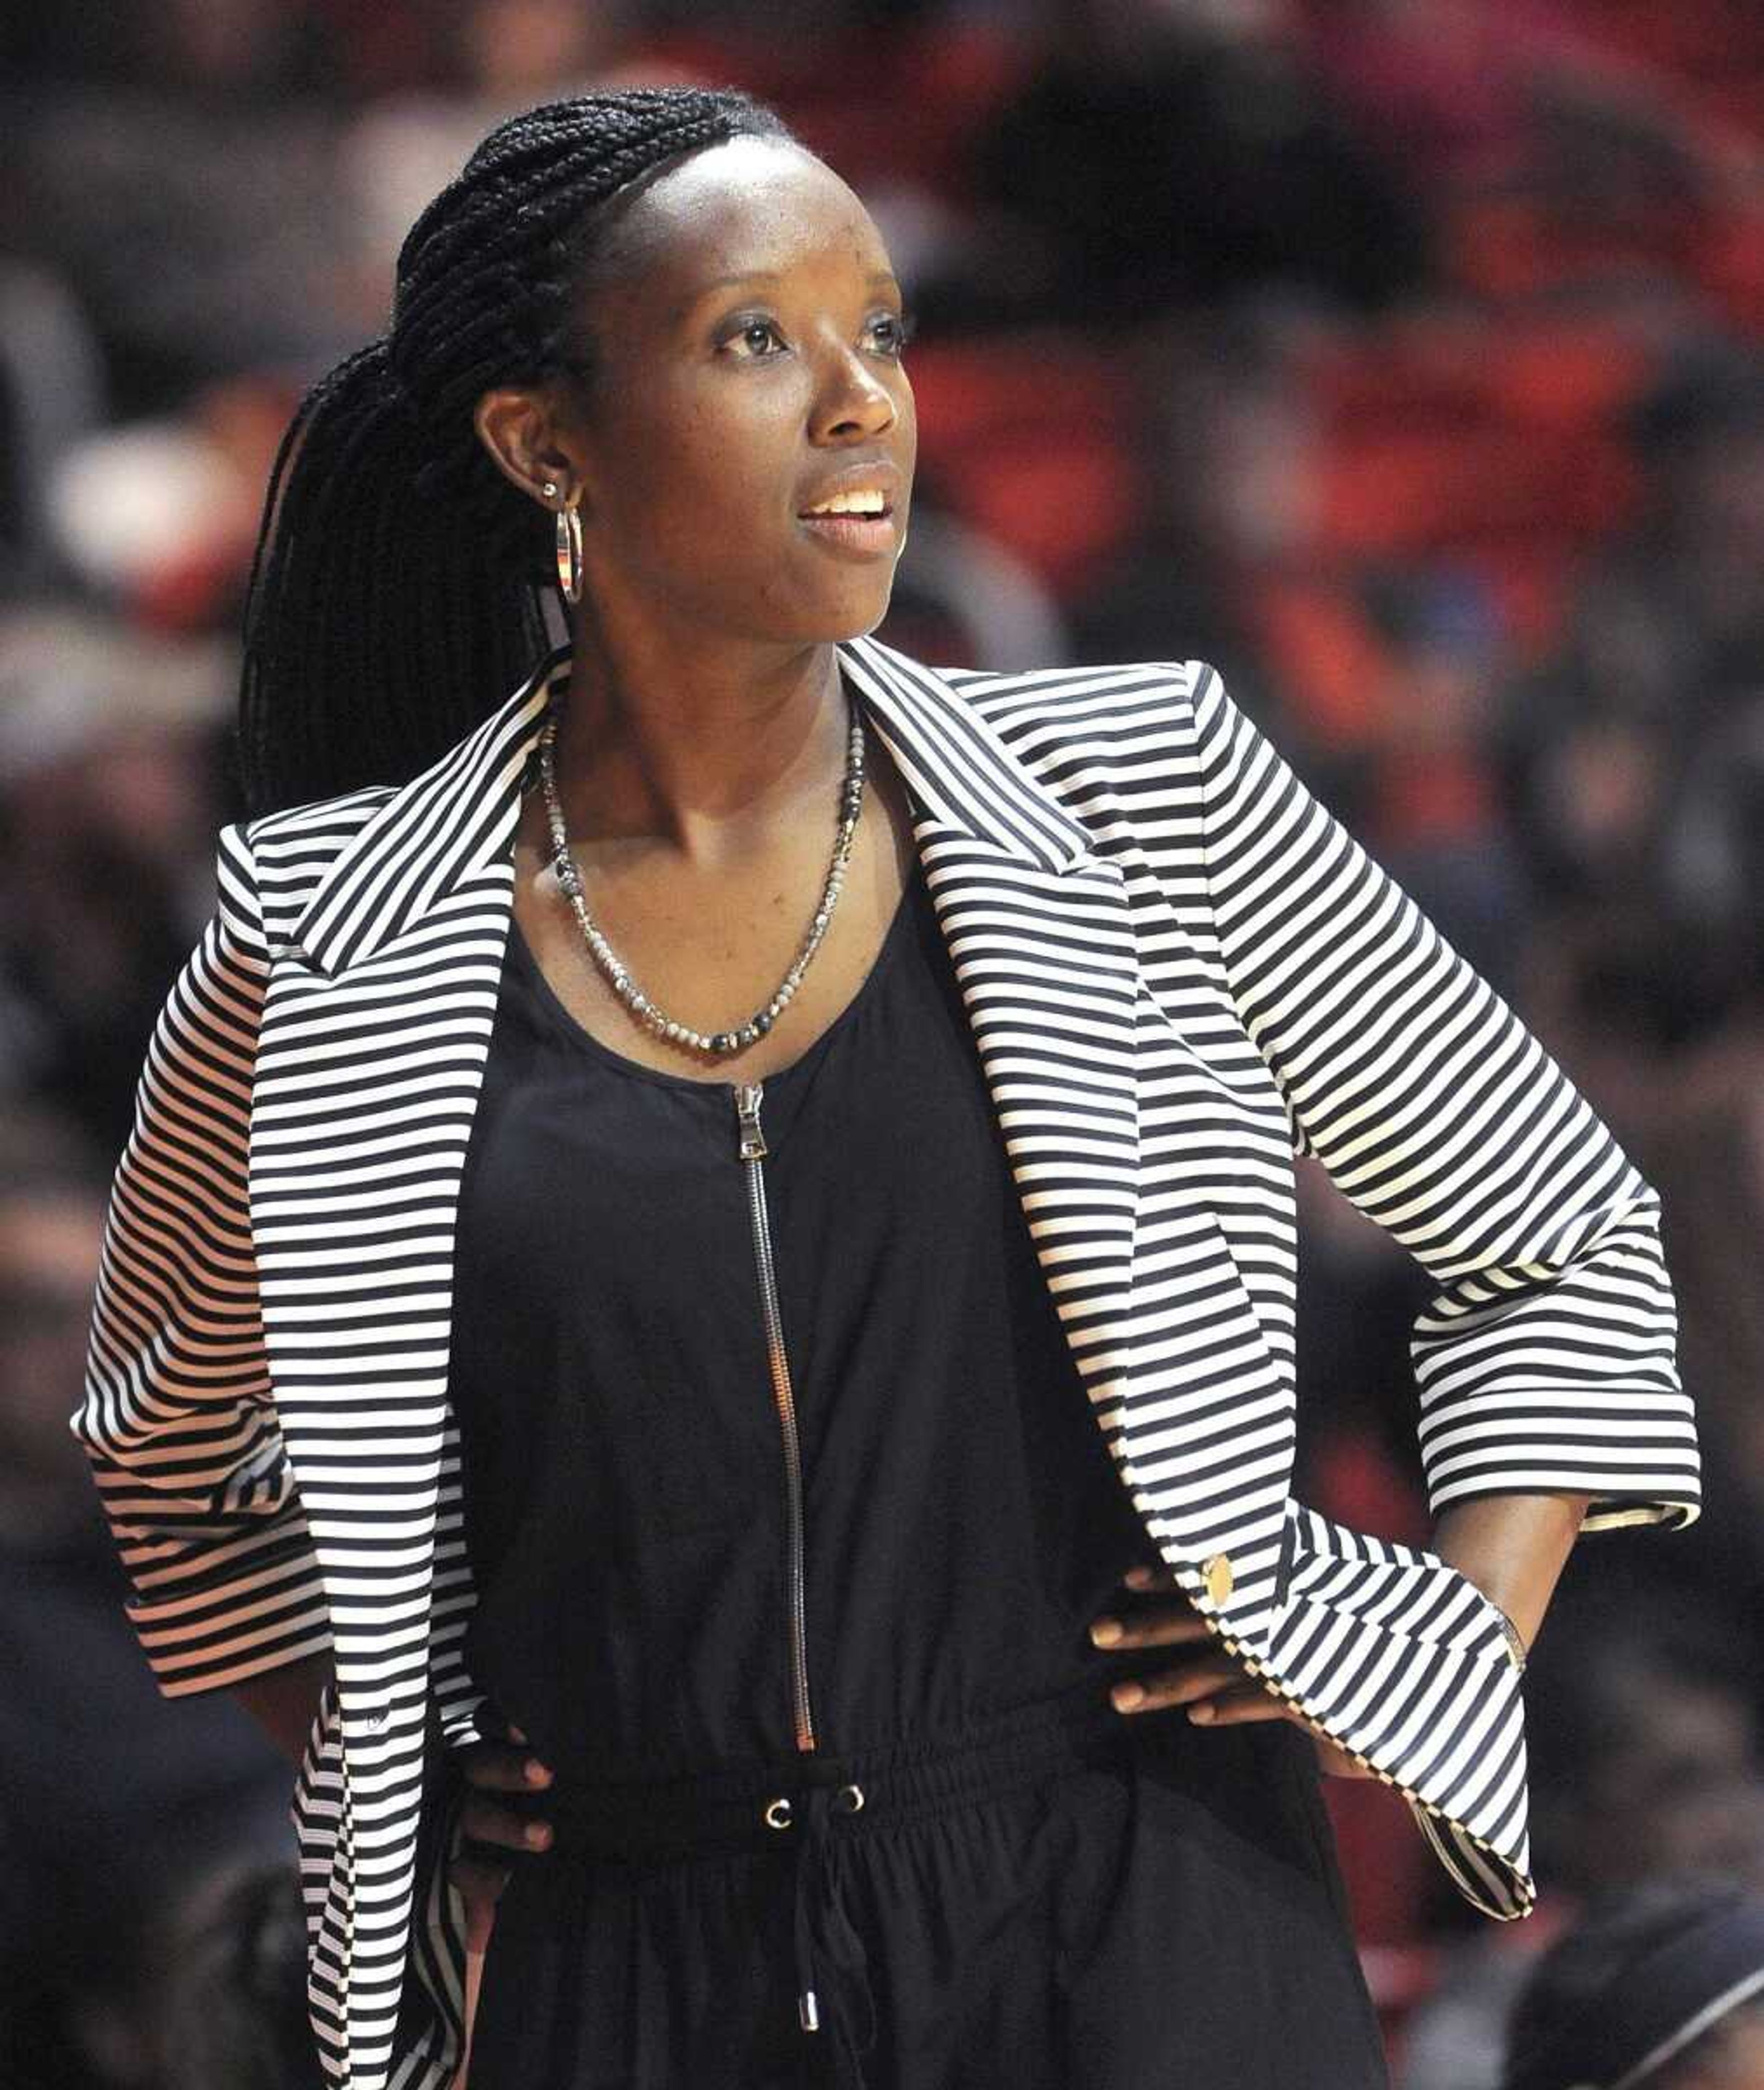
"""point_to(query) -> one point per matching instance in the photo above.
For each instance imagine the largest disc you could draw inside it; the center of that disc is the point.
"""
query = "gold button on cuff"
(1216, 1569)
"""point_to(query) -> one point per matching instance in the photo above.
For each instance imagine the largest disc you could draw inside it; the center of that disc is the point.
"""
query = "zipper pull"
(747, 1095)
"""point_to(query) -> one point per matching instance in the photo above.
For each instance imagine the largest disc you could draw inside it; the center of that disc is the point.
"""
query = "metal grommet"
(856, 1801)
(777, 1812)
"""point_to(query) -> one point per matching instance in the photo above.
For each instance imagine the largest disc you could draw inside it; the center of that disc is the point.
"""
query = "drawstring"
(832, 1967)
(638, 1821)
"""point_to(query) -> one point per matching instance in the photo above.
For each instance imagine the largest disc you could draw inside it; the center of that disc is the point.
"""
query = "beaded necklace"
(653, 1018)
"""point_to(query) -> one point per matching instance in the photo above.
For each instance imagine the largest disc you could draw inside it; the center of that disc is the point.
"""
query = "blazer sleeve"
(1545, 1359)
(177, 1418)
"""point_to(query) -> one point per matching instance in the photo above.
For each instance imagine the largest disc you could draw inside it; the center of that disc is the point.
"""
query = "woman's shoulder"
(307, 834)
(1094, 702)
(1072, 680)
(269, 866)
(340, 815)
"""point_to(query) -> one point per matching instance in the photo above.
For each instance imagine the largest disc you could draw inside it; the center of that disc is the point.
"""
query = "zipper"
(747, 1095)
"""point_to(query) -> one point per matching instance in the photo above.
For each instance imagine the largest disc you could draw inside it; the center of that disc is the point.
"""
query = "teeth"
(867, 502)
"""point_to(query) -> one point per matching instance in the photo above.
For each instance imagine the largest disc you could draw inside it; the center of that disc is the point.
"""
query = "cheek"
(703, 473)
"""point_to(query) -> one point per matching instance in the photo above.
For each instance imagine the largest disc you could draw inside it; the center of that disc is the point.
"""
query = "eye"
(746, 330)
(748, 342)
(898, 329)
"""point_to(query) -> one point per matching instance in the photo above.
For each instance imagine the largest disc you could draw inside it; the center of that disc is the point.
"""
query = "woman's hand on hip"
(488, 1824)
(1211, 1683)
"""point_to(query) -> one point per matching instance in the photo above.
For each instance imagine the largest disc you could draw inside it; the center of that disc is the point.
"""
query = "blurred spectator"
(110, 1798)
(1647, 1759)
(1705, 1151)
(1566, 147)
(49, 398)
(1435, 87)
(1225, 462)
(190, 197)
(108, 801)
(496, 56)
(1378, 676)
(1645, 1733)
(1637, 750)
(1162, 157)
(1662, 1986)
(1436, 815)
(1667, 638)
(158, 518)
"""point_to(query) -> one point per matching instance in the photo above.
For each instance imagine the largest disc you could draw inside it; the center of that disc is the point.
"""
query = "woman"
(505, 1334)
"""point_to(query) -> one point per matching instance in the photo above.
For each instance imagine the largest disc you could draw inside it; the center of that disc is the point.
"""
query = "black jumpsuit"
(882, 1535)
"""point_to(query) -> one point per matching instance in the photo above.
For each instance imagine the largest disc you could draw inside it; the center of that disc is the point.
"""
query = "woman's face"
(748, 331)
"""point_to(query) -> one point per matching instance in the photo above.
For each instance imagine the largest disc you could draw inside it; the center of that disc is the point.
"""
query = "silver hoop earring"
(568, 541)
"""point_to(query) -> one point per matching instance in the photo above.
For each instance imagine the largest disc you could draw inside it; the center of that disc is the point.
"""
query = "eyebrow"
(873, 281)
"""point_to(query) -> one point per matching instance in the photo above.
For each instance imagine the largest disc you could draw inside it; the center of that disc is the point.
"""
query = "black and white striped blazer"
(1181, 973)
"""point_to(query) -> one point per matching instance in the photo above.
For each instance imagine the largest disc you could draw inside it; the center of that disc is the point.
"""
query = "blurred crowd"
(1403, 358)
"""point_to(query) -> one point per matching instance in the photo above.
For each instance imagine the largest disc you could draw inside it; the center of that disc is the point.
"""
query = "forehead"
(746, 206)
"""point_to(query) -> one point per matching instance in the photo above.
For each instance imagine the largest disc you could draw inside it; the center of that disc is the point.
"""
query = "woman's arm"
(283, 1701)
(178, 1420)
(1513, 1548)
(1549, 1391)
(1545, 1359)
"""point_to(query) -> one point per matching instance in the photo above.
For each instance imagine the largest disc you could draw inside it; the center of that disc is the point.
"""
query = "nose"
(854, 398)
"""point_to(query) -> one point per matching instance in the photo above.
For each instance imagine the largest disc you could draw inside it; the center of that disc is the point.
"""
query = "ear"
(518, 426)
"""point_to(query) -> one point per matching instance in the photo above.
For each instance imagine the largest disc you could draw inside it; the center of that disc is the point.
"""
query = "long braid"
(397, 592)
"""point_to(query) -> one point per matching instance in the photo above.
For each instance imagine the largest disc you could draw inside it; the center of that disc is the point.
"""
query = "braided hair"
(397, 594)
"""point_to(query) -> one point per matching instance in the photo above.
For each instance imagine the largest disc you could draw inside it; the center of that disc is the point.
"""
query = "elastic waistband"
(750, 1805)
(812, 1806)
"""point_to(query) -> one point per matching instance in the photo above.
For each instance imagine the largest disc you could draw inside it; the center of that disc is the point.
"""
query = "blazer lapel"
(1090, 1063)
(1038, 926)
(437, 832)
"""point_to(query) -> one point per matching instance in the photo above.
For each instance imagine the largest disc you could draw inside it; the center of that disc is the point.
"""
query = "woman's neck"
(709, 751)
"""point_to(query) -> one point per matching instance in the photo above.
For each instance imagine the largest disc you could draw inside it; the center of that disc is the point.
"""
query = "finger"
(1175, 1686)
(1238, 1706)
(1336, 1762)
(493, 1767)
(1251, 1703)
(1167, 1625)
(1245, 1703)
(484, 1822)
(1150, 1575)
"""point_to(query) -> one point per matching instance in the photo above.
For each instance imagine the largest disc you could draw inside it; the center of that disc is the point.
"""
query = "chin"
(855, 618)
(879, 601)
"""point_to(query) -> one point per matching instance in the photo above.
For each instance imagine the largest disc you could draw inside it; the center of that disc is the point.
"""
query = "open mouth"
(881, 515)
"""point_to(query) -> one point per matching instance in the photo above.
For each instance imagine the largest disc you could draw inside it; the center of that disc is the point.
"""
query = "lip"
(874, 473)
(854, 536)
(863, 536)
